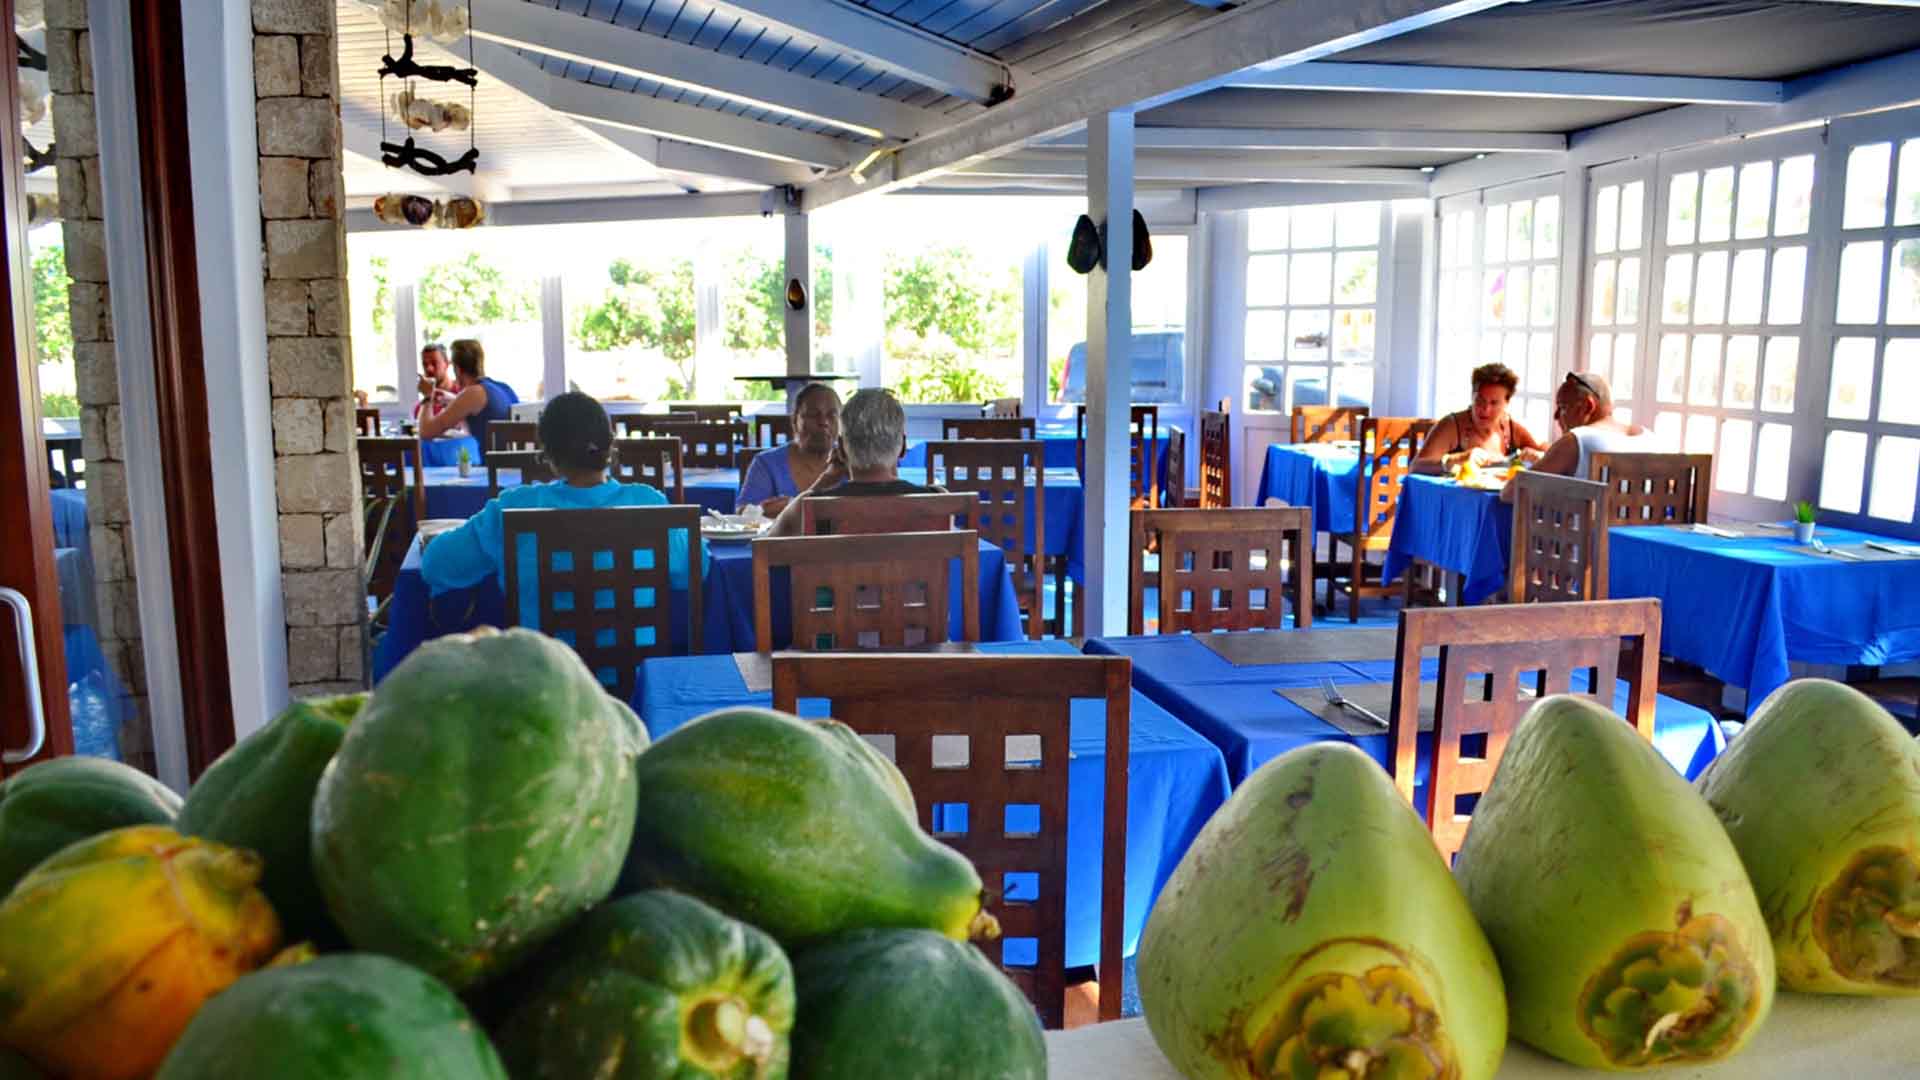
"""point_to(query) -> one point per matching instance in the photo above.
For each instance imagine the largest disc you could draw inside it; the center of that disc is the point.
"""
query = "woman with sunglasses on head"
(1484, 434)
(1583, 407)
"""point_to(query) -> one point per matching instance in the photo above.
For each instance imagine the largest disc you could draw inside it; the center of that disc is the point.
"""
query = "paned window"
(1313, 280)
(1499, 297)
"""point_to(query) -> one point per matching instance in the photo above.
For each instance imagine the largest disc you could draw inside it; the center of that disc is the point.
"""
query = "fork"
(1820, 546)
(1338, 700)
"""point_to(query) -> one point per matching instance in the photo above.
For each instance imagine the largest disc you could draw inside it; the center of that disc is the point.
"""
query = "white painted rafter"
(1198, 168)
(1234, 138)
(1511, 82)
(839, 26)
(673, 156)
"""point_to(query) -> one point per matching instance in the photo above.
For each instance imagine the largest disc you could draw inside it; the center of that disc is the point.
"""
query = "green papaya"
(1625, 926)
(910, 1005)
(338, 1017)
(481, 801)
(1821, 795)
(1312, 930)
(259, 796)
(789, 825)
(53, 803)
(653, 985)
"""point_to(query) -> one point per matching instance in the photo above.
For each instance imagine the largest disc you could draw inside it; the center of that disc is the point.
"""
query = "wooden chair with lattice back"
(865, 515)
(1495, 646)
(704, 444)
(888, 591)
(511, 435)
(1327, 423)
(1216, 458)
(771, 430)
(1387, 447)
(367, 422)
(393, 495)
(532, 465)
(1654, 489)
(1221, 569)
(1000, 473)
(709, 413)
(992, 427)
(1559, 539)
(1143, 438)
(602, 582)
(1174, 464)
(1000, 408)
(655, 462)
(742, 461)
(985, 749)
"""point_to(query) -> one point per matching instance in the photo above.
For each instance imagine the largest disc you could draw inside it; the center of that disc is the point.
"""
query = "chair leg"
(1354, 583)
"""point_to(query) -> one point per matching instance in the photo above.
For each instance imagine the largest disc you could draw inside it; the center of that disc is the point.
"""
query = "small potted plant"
(1803, 522)
(466, 462)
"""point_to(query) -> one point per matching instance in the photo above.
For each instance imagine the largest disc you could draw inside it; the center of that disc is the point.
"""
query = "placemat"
(1866, 553)
(1248, 648)
(756, 669)
(1376, 698)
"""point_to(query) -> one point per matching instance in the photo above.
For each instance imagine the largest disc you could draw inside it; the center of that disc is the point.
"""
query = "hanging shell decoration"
(458, 212)
(442, 22)
(424, 113)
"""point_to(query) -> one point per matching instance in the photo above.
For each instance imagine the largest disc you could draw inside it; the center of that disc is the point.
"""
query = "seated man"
(873, 438)
(1583, 407)
(779, 474)
(479, 402)
(577, 439)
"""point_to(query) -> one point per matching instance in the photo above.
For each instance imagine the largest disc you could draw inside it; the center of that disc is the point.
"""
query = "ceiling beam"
(1232, 138)
(670, 155)
(577, 211)
(518, 24)
(839, 26)
(1194, 168)
(1512, 82)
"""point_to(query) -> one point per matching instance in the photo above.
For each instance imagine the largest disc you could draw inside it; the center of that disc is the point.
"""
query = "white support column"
(799, 264)
(553, 336)
(859, 311)
(1109, 382)
(707, 324)
(1033, 328)
(406, 331)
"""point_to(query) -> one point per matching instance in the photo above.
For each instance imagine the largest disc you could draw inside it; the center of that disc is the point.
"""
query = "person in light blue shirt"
(779, 474)
(577, 439)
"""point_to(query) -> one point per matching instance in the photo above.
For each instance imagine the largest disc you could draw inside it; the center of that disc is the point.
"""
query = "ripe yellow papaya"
(109, 947)
(1821, 794)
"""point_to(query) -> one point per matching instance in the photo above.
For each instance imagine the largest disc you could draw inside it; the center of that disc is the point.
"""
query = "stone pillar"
(316, 470)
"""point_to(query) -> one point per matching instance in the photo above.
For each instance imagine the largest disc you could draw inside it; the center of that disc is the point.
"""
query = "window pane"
(1704, 377)
(1266, 336)
(1782, 375)
(1789, 286)
(1307, 337)
(1735, 456)
(1310, 278)
(1710, 289)
(1359, 224)
(1749, 287)
(1493, 298)
(1450, 240)
(1859, 284)
(1770, 462)
(1632, 198)
(1312, 227)
(1716, 205)
(1353, 336)
(1266, 280)
(1539, 373)
(1700, 434)
(1450, 314)
(1535, 415)
(1678, 305)
(1906, 198)
(1842, 471)
(1546, 294)
(1603, 292)
(1263, 388)
(1850, 384)
(1307, 386)
(1900, 382)
(1606, 219)
(1624, 348)
(1666, 431)
(1599, 348)
(1519, 230)
(1353, 384)
(1756, 198)
(1520, 295)
(1355, 275)
(1495, 235)
(1514, 352)
(1672, 386)
(1628, 306)
(953, 334)
(1267, 228)
(1794, 199)
(1896, 472)
(1546, 227)
(1682, 212)
(1867, 169)
(1743, 371)
(1903, 284)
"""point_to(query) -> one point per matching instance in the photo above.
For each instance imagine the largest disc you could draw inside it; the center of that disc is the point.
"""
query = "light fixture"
(796, 294)
(859, 174)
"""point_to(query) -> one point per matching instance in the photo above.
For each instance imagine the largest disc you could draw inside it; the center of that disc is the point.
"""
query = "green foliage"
(52, 322)
(754, 317)
(945, 313)
(649, 308)
(382, 292)
(471, 292)
(1804, 513)
(64, 405)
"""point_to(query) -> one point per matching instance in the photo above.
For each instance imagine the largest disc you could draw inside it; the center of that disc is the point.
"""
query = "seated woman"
(1584, 408)
(1484, 434)
(779, 474)
(873, 438)
(478, 400)
(577, 439)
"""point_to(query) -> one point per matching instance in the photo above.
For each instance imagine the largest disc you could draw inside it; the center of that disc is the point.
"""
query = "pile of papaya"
(482, 869)
(1601, 909)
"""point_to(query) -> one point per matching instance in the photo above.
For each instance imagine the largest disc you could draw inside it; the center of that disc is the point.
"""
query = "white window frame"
(1380, 305)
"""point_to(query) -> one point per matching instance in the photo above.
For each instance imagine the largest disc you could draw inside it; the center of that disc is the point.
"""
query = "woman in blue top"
(783, 472)
(478, 401)
(577, 439)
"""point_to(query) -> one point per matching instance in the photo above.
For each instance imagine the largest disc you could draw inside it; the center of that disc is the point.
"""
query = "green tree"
(53, 323)
(471, 292)
(382, 292)
(653, 310)
(945, 313)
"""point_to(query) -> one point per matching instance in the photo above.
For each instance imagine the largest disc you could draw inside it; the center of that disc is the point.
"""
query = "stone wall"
(316, 471)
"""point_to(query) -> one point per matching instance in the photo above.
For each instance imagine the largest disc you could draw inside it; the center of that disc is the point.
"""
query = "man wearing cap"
(1583, 407)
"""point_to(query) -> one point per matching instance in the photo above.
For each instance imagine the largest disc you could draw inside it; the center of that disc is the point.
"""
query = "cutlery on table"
(1820, 546)
(1894, 549)
(1338, 700)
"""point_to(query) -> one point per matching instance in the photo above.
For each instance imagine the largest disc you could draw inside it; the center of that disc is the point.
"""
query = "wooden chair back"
(999, 427)
(532, 466)
(865, 515)
(1654, 489)
(1387, 447)
(868, 593)
(1174, 464)
(988, 734)
(1545, 644)
(1222, 569)
(1559, 539)
(709, 413)
(743, 459)
(1143, 433)
(393, 494)
(651, 461)
(512, 435)
(1000, 408)
(367, 422)
(704, 444)
(1216, 459)
(999, 473)
(583, 556)
(1327, 423)
(772, 429)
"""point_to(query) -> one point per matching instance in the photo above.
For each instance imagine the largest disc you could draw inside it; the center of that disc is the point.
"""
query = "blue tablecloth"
(1312, 474)
(450, 495)
(446, 452)
(1236, 707)
(1465, 530)
(1175, 781)
(726, 606)
(1060, 448)
(70, 518)
(1742, 608)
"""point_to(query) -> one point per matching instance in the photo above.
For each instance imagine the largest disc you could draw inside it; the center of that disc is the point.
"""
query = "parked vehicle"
(1266, 393)
(1159, 369)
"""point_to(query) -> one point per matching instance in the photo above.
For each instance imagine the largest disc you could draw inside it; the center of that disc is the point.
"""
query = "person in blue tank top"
(479, 400)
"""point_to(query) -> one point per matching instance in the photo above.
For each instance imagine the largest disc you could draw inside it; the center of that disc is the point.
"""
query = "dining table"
(1175, 779)
(1320, 476)
(1462, 529)
(1060, 449)
(444, 452)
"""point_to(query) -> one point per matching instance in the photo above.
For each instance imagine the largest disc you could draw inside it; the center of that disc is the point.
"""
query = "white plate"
(433, 527)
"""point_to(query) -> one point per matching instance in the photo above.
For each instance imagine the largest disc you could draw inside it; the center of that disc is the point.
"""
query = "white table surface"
(1807, 1037)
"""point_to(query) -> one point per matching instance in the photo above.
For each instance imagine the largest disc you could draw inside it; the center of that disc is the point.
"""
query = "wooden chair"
(1327, 423)
(1216, 459)
(1548, 641)
(989, 733)
(651, 461)
(532, 464)
(865, 515)
(743, 459)
(1387, 446)
(1174, 492)
(66, 461)
(1143, 433)
(393, 495)
(772, 429)
(704, 444)
(868, 593)
(571, 578)
(709, 413)
(1559, 539)
(367, 422)
(1207, 578)
(1000, 408)
(512, 435)
(1007, 427)
(1654, 489)
(999, 473)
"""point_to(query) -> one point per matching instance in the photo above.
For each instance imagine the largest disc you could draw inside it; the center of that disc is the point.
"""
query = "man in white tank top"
(1583, 407)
